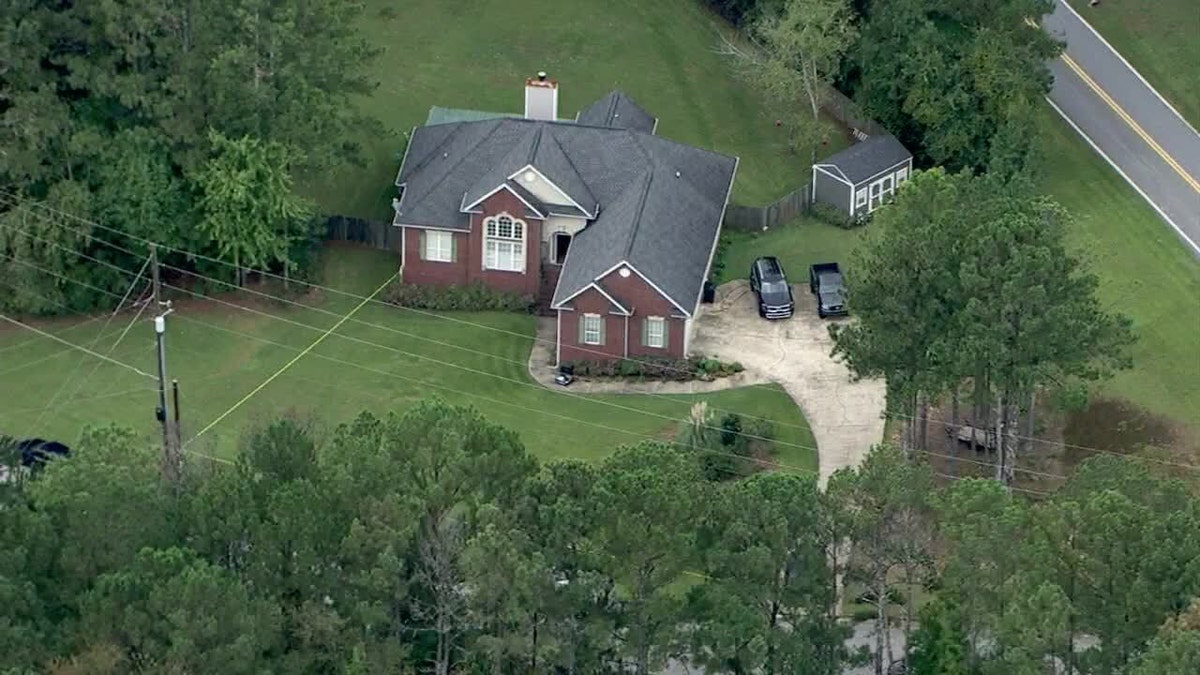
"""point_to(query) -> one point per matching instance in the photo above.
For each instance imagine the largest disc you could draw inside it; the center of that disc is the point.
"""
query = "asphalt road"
(1127, 122)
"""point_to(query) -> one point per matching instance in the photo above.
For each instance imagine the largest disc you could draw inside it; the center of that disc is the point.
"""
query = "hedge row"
(470, 298)
(655, 368)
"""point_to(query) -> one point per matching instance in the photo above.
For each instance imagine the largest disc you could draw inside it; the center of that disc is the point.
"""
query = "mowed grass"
(221, 354)
(1161, 39)
(477, 54)
(797, 245)
(1145, 273)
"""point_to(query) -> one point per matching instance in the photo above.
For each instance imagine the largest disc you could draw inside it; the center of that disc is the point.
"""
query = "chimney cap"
(541, 76)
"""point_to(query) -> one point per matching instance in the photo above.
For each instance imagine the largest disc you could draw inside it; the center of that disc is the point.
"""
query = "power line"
(75, 346)
(287, 365)
(432, 314)
(386, 347)
(766, 463)
(201, 256)
(93, 344)
(419, 356)
(509, 404)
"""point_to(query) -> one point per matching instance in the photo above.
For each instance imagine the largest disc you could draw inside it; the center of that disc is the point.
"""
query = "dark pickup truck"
(825, 282)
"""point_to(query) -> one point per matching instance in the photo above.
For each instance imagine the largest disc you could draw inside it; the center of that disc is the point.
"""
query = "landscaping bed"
(654, 369)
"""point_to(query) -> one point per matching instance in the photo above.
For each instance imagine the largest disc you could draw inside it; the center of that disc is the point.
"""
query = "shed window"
(656, 332)
(902, 175)
(860, 198)
(591, 329)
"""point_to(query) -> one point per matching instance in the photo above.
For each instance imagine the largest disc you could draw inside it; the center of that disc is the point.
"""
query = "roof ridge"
(566, 155)
(615, 95)
(533, 147)
(637, 216)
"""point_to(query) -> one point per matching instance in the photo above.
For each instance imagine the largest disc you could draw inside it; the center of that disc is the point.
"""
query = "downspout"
(558, 339)
(626, 336)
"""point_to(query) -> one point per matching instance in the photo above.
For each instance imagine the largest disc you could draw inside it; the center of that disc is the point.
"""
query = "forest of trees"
(433, 542)
(165, 121)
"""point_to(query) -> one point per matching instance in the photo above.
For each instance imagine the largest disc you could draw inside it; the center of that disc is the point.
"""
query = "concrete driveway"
(846, 417)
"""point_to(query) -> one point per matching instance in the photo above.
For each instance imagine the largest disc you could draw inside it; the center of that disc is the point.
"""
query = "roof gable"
(868, 158)
(617, 111)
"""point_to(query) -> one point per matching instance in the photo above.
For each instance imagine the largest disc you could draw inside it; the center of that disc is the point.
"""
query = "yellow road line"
(1129, 121)
(289, 364)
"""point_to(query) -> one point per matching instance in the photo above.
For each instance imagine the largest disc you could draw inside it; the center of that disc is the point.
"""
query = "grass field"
(1161, 39)
(797, 245)
(660, 53)
(480, 365)
(1145, 273)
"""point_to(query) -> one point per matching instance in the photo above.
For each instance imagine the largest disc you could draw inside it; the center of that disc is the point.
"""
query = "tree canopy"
(958, 82)
(431, 542)
(969, 279)
(112, 111)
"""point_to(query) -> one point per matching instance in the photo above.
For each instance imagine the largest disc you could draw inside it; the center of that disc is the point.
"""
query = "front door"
(562, 241)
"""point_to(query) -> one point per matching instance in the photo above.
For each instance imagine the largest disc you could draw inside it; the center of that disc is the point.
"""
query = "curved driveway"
(1127, 122)
(846, 417)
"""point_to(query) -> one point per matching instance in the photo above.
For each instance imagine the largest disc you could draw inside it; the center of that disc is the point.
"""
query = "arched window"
(504, 244)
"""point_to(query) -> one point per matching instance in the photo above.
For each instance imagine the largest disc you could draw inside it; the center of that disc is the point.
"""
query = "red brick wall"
(517, 282)
(426, 272)
(571, 348)
(640, 298)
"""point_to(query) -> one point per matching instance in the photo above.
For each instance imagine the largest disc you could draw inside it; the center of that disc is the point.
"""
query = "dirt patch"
(1062, 441)
(1117, 425)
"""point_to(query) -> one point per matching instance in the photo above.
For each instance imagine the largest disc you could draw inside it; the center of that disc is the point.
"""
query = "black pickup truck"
(825, 282)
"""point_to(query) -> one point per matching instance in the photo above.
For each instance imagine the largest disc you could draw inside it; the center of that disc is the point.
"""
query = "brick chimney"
(541, 98)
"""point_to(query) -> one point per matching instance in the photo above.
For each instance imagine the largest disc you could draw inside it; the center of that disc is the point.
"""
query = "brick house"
(613, 227)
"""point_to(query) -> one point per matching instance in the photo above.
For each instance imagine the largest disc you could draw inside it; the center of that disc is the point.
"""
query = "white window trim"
(661, 323)
(587, 330)
(902, 175)
(434, 241)
(518, 252)
(860, 198)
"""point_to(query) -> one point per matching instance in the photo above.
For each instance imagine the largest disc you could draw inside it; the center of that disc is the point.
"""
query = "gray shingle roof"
(866, 159)
(619, 111)
(660, 201)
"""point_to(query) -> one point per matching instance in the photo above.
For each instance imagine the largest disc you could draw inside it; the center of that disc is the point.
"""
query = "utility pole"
(175, 409)
(171, 468)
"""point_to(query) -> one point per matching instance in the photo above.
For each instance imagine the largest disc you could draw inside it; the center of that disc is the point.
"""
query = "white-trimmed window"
(902, 175)
(504, 244)
(655, 332)
(860, 198)
(591, 329)
(438, 246)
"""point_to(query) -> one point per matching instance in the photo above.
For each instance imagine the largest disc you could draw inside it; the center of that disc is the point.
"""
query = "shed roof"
(863, 160)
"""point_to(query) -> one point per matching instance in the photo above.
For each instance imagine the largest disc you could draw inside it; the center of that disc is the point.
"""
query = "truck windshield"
(774, 287)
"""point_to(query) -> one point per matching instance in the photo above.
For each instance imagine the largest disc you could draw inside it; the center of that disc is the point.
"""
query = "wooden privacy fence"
(373, 233)
(848, 113)
(783, 210)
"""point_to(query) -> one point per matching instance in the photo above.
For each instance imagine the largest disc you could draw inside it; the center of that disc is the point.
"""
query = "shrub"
(719, 256)
(832, 215)
(655, 368)
(469, 298)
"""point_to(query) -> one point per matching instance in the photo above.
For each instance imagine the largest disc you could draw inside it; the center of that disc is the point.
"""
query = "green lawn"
(477, 55)
(797, 245)
(1161, 39)
(479, 366)
(1145, 272)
